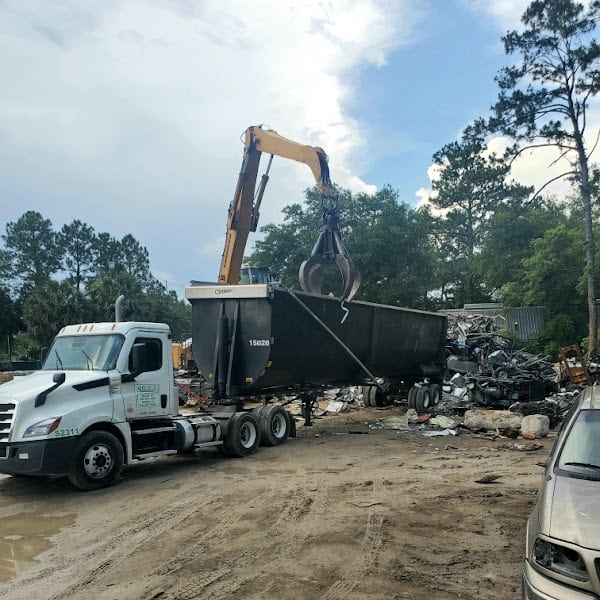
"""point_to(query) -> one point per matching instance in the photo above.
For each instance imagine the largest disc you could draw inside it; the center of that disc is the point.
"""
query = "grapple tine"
(311, 275)
(329, 251)
(350, 276)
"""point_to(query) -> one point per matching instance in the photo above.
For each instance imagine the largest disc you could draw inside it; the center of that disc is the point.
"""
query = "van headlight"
(561, 559)
(45, 427)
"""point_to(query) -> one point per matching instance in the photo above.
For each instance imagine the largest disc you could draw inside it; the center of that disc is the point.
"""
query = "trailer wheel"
(274, 425)
(243, 437)
(97, 461)
(373, 396)
(422, 399)
(435, 393)
(368, 395)
(412, 394)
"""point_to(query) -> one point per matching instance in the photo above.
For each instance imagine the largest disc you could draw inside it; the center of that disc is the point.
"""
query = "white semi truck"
(105, 397)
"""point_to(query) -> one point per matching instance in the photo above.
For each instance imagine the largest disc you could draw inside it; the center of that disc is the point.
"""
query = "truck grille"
(7, 413)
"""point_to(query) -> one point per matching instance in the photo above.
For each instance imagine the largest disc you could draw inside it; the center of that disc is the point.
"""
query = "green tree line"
(49, 278)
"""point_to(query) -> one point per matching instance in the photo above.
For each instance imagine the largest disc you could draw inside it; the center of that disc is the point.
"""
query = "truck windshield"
(84, 353)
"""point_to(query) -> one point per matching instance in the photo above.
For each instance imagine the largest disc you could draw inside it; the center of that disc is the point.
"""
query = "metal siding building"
(525, 321)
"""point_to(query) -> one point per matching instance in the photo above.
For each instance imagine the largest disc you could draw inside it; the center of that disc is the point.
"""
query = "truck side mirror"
(59, 378)
(138, 360)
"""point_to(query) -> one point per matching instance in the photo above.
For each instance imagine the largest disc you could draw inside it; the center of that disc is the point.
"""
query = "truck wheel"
(243, 437)
(435, 393)
(97, 461)
(422, 399)
(412, 394)
(274, 425)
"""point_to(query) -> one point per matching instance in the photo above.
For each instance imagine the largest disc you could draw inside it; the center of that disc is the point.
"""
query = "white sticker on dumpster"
(146, 394)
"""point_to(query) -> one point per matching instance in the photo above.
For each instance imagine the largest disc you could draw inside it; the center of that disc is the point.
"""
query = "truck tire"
(97, 461)
(274, 425)
(435, 392)
(412, 395)
(369, 395)
(373, 396)
(243, 437)
(422, 399)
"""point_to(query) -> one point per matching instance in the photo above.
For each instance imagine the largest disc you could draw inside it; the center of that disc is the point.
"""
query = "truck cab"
(105, 397)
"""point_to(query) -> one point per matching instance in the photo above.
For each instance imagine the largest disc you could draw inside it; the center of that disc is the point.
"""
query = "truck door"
(148, 394)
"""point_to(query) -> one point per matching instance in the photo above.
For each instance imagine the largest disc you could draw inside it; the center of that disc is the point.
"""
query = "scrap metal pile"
(489, 368)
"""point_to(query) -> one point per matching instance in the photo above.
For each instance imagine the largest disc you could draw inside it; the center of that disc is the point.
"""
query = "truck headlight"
(45, 427)
(560, 559)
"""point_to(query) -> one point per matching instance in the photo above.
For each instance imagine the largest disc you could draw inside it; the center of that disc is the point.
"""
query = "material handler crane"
(244, 212)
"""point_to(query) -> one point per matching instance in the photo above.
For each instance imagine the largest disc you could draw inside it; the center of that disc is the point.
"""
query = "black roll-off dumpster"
(249, 339)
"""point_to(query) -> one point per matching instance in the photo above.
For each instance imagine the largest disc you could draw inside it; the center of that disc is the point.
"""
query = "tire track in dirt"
(280, 537)
(370, 547)
(141, 535)
(196, 537)
(102, 555)
(363, 564)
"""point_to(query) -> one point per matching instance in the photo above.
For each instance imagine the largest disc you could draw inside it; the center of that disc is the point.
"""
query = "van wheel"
(274, 425)
(243, 437)
(97, 461)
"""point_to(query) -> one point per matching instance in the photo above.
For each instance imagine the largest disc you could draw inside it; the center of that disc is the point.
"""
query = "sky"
(128, 114)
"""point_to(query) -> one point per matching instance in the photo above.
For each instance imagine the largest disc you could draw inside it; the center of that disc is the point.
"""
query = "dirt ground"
(342, 512)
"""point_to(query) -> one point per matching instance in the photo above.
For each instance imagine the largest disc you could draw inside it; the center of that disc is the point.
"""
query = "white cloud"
(536, 167)
(127, 115)
(424, 194)
(506, 14)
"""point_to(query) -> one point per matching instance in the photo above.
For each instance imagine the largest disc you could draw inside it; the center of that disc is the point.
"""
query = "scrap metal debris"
(440, 432)
(365, 503)
(573, 366)
(490, 369)
(460, 327)
(488, 479)
(523, 447)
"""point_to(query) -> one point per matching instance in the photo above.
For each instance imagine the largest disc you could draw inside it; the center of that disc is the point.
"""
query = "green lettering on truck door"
(146, 394)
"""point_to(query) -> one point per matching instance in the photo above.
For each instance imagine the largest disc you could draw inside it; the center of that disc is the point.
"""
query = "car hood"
(575, 511)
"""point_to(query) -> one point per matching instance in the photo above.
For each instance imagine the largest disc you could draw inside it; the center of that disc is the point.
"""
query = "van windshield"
(84, 353)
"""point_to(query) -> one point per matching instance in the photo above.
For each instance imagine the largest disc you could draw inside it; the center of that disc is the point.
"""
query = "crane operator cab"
(249, 275)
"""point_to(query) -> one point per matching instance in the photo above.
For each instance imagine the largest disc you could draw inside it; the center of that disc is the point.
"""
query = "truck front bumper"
(43, 457)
